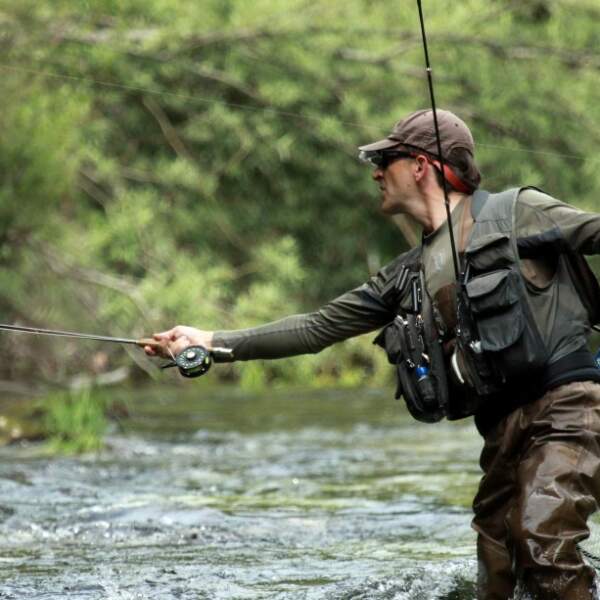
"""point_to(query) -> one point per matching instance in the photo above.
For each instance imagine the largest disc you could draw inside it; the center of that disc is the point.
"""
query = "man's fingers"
(163, 335)
(170, 334)
(175, 340)
(163, 346)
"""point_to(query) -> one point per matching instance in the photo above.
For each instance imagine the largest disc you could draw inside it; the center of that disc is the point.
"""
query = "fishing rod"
(429, 71)
(73, 334)
(193, 361)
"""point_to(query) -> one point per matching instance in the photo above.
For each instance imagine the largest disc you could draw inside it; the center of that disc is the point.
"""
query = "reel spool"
(193, 361)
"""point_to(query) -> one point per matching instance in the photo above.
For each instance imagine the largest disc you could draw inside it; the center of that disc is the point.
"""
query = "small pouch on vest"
(493, 291)
(504, 322)
(494, 300)
(491, 251)
(411, 344)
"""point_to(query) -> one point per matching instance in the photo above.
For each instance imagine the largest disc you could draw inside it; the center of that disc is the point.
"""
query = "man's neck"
(434, 213)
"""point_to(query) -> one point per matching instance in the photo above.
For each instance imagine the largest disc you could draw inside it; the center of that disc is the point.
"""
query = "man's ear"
(421, 167)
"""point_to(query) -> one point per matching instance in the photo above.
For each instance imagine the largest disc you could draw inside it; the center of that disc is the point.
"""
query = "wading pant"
(541, 482)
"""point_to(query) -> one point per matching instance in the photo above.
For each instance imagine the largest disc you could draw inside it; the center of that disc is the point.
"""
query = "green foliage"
(75, 421)
(171, 162)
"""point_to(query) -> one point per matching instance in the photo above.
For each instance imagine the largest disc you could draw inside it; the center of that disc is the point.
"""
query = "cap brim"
(384, 144)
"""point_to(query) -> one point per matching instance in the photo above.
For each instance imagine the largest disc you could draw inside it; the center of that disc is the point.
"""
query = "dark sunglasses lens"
(387, 158)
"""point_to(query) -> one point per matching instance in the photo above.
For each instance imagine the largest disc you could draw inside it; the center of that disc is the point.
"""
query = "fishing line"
(275, 111)
(123, 86)
(531, 151)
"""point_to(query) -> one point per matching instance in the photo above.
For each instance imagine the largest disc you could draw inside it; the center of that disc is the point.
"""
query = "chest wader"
(498, 346)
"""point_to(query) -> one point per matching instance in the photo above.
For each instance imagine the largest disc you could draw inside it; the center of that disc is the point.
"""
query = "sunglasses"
(382, 160)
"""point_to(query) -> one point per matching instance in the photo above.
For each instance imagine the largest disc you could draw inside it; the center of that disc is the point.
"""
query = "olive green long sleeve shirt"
(374, 304)
(358, 311)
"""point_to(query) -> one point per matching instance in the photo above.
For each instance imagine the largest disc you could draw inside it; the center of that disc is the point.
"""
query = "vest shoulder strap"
(477, 202)
(495, 207)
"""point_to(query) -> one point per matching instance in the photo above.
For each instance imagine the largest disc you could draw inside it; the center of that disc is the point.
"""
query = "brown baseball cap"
(417, 130)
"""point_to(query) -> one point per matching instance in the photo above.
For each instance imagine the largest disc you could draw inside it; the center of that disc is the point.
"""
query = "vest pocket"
(504, 323)
(493, 291)
(490, 251)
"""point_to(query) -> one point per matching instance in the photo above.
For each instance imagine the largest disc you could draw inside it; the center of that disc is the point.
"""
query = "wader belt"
(576, 366)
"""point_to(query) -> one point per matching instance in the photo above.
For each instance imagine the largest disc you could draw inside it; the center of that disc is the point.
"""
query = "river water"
(218, 494)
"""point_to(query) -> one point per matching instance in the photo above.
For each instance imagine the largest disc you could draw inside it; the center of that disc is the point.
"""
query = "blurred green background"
(172, 162)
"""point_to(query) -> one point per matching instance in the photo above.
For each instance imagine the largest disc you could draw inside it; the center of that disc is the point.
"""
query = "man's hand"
(175, 340)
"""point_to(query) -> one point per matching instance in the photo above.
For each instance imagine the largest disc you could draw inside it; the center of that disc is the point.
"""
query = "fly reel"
(197, 360)
(193, 361)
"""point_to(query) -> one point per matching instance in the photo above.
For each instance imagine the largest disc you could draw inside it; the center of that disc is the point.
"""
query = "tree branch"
(60, 266)
(167, 128)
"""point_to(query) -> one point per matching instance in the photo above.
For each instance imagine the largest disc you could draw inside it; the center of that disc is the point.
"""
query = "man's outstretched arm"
(358, 311)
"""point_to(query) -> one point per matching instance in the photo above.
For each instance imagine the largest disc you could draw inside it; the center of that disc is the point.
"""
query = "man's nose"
(377, 173)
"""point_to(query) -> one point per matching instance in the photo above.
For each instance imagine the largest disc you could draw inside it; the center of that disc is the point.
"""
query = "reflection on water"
(217, 494)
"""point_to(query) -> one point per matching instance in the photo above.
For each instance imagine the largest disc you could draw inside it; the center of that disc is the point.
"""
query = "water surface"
(214, 493)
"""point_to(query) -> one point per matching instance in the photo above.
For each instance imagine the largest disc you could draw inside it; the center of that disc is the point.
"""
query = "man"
(541, 456)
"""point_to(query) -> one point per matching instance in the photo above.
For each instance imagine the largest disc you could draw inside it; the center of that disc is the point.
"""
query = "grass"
(75, 421)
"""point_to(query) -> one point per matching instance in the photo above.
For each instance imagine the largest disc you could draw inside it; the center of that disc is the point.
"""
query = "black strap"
(567, 368)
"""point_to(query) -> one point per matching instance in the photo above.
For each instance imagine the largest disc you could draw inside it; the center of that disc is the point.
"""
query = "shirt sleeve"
(358, 311)
(580, 230)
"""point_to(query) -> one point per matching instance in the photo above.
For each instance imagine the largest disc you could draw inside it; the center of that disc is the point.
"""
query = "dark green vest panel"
(560, 316)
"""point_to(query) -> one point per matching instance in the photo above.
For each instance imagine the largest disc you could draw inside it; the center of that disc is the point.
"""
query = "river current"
(214, 493)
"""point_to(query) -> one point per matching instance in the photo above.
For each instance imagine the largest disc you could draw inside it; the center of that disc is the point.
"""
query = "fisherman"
(541, 428)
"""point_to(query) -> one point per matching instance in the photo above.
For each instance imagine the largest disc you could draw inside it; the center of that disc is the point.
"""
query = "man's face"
(397, 184)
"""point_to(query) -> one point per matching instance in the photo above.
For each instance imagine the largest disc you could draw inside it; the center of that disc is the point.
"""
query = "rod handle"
(148, 342)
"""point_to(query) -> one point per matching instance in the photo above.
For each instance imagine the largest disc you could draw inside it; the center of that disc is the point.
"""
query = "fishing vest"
(502, 336)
